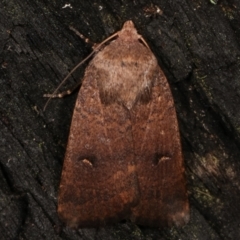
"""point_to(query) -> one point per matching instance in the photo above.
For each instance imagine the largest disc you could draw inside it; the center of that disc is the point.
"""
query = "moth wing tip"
(181, 218)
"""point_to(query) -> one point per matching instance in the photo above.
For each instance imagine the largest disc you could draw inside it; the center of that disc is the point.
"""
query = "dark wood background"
(197, 46)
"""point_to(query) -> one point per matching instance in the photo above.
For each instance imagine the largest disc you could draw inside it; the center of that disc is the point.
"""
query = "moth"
(123, 158)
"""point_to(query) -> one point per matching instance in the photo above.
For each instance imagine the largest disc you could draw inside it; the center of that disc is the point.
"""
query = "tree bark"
(197, 46)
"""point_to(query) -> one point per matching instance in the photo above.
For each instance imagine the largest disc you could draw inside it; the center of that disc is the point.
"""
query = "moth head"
(128, 32)
(128, 25)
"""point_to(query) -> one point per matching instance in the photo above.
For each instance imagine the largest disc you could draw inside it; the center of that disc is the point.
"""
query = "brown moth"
(124, 158)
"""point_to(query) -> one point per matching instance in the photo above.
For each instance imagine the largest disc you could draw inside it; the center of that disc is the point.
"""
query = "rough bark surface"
(197, 46)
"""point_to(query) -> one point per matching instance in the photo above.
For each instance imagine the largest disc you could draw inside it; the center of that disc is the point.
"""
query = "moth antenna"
(85, 39)
(144, 42)
(50, 96)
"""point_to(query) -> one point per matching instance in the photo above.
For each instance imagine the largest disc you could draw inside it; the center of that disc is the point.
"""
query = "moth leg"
(63, 94)
(70, 91)
(85, 39)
